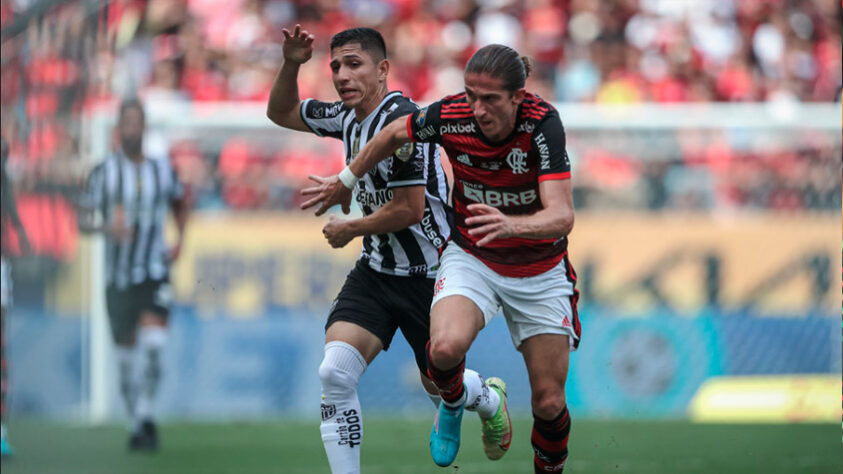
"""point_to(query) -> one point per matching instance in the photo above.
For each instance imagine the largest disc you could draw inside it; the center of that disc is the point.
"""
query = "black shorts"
(126, 305)
(382, 303)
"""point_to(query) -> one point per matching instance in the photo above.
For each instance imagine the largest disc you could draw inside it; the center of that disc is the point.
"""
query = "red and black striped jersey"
(503, 174)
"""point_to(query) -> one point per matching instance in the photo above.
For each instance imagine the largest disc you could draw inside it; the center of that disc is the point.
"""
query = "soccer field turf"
(395, 446)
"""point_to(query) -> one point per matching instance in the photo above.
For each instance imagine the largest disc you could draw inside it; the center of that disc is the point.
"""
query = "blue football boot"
(445, 435)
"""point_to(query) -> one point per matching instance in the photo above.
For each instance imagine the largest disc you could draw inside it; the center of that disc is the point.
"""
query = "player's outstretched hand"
(491, 223)
(329, 192)
(298, 45)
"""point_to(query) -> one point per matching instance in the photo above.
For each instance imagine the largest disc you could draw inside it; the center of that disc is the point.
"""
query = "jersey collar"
(377, 109)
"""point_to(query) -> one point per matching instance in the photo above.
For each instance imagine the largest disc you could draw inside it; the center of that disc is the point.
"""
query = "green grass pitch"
(397, 446)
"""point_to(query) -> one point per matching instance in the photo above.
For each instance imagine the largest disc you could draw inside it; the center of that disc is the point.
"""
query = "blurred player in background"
(9, 221)
(514, 211)
(404, 225)
(128, 199)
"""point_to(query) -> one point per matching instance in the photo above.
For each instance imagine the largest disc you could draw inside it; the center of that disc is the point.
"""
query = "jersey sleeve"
(423, 124)
(549, 141)
(407, 166)
(325, 119)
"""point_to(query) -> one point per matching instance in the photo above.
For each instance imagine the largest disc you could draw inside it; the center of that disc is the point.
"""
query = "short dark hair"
(497, 60)
(370, 40)
(132, 103)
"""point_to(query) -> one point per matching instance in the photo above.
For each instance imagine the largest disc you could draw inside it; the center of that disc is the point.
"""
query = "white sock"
(126, 372)
(342, 421)
(151, 341)
(478, 396)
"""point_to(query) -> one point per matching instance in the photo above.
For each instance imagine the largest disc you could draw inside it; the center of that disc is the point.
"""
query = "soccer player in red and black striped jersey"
(404, 224)
(513, 205)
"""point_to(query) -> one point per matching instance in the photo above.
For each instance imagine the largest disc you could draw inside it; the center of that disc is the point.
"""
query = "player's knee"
(447, 352)
(548, 403)
(341, 369)
(335, 379)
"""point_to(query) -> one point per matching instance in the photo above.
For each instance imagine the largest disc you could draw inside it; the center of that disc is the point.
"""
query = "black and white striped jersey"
(142, 193)
(412, 251)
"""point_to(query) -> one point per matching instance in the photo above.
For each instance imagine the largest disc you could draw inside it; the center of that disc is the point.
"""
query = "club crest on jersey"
(517, 160)
(420, 118)
(328, 411)
(405, 152)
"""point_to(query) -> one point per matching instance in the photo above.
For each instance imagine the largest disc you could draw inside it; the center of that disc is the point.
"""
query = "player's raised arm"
(337, 189)
(284, 102)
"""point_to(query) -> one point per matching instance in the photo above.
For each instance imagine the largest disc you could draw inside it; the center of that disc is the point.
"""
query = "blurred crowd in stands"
(61, 61)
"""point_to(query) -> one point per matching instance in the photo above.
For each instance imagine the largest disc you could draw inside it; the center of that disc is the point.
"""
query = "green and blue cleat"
(497, 430)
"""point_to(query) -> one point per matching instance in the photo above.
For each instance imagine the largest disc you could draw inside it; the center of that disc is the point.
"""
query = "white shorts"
(541, 304)
(5, 283)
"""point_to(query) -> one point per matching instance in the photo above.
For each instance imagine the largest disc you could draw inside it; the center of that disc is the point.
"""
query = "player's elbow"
(565, 222)
(282, 115)
(276, 117)
(416, 214)
(411, 215)
(569, 222)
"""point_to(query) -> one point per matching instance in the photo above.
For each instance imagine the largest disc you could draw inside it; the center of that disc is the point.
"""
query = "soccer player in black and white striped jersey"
(404, 225)
(131, 195)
